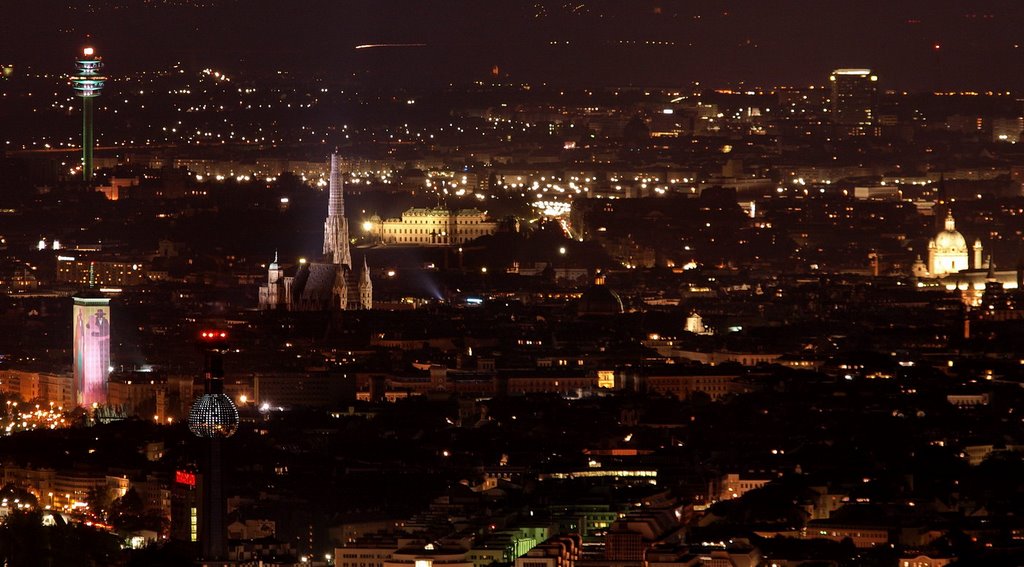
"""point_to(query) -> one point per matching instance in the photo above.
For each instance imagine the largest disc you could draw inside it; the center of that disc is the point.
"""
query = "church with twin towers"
(332, 284)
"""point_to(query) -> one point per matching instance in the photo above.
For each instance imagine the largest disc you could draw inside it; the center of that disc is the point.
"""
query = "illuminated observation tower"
(213, 417)
(88, 84)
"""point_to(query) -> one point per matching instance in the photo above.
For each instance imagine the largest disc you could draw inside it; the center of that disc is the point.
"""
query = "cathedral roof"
(315, 281)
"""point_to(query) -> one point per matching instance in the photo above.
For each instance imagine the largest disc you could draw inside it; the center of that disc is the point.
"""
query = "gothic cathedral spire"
(336, 245)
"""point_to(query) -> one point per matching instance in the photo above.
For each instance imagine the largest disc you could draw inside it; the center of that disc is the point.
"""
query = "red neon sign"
(185, 477)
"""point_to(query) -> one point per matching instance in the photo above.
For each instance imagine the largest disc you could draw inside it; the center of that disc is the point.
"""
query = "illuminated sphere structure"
(88, 84)
(213, 416)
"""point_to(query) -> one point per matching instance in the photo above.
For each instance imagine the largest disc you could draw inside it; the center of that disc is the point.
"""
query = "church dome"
(947, 252)
(599, 300)
(950, 240)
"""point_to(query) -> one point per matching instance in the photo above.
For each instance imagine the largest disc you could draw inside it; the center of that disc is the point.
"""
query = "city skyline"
(511, 284)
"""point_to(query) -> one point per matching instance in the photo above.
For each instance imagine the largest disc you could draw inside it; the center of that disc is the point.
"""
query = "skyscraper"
(90, 319)
(854, 101)
(88, 84)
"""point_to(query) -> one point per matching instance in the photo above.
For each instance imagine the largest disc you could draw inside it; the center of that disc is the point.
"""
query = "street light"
(565, 263)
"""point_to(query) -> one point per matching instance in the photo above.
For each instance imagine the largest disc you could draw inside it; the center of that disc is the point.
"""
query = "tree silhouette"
(126, 513)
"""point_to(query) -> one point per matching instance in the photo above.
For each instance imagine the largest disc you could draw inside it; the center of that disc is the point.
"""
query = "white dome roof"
(951, 240)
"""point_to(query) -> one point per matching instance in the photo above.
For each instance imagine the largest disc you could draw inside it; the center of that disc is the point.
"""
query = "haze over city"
(598, 283)
(583, 43)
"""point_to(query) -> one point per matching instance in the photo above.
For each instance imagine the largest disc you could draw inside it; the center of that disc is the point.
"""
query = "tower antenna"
(88, 84)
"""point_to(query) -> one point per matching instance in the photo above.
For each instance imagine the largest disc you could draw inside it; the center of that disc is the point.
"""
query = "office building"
(854, 101)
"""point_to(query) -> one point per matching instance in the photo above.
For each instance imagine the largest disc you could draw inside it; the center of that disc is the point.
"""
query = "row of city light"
(41, 417)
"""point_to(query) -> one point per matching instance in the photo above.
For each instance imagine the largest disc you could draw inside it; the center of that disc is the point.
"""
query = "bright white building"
(948, 253)
(437, 227)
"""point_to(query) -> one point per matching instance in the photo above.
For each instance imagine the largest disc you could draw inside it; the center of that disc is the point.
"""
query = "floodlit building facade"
(437, 227)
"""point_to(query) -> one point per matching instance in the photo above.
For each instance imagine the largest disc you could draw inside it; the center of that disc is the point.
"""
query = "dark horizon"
(792, 42)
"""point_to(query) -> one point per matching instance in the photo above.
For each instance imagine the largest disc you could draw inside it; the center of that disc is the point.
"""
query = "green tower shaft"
(87, 139)
(88, 84)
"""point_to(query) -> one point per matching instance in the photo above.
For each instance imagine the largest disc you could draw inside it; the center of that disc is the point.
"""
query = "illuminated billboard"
(185, 477)
(605, 378)
(91, 321)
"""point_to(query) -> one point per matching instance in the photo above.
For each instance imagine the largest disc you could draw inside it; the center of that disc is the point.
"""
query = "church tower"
(275, 276)
(329, 285)
(365, 287)
(336, 245)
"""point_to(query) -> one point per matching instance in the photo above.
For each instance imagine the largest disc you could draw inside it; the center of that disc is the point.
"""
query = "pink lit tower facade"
(91, 325)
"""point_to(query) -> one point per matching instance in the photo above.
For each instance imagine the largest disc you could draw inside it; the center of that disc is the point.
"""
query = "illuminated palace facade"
(436, 227)
(330, 285)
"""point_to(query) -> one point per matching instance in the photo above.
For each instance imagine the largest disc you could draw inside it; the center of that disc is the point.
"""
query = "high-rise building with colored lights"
(91, 325)
(854, 100)
(88, 83)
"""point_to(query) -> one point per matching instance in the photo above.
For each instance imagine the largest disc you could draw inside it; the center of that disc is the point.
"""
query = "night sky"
(715, 42)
